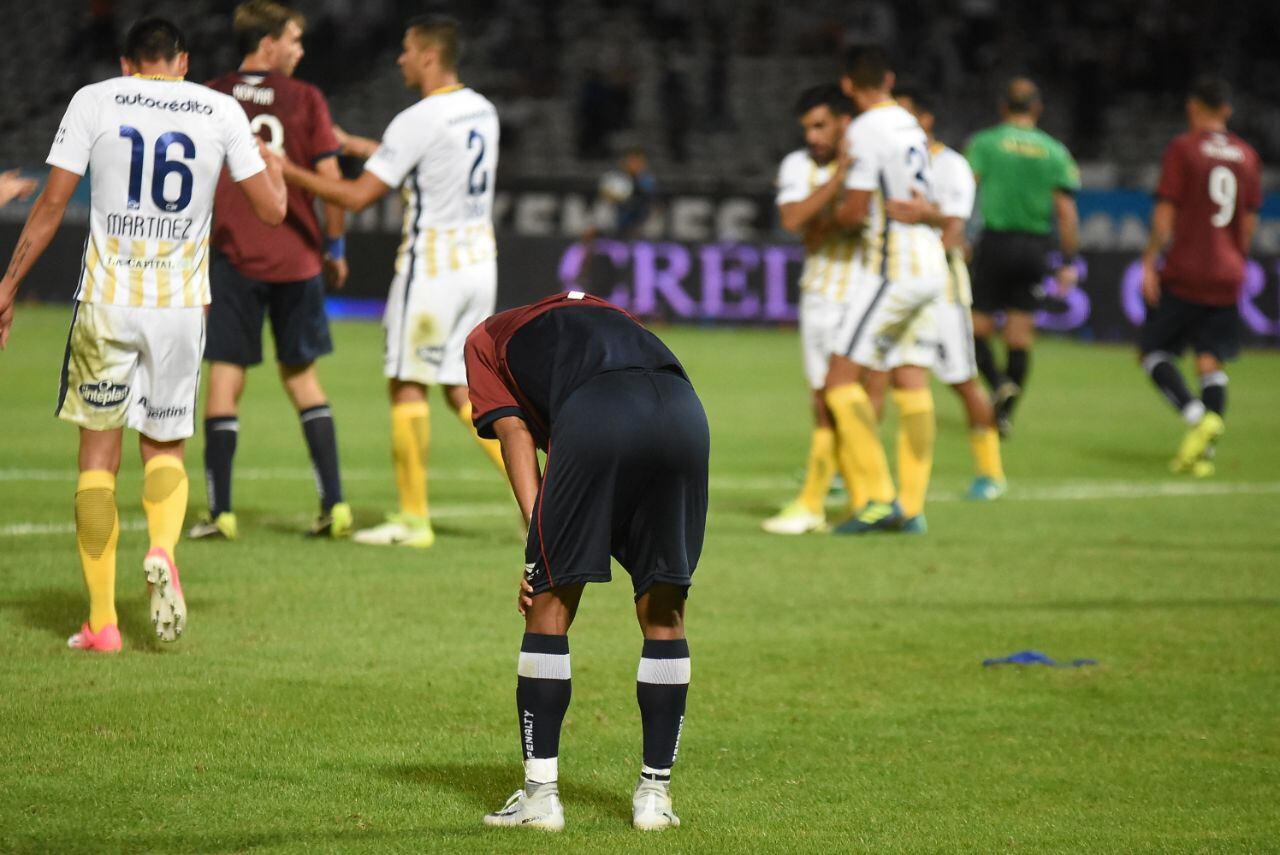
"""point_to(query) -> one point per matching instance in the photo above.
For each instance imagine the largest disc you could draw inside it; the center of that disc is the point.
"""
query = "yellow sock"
(985, 445)
(410, 439)
(820, 471)
(491, 447)
(917, 430)
(858, 440)
(97, 531)
(164, 498)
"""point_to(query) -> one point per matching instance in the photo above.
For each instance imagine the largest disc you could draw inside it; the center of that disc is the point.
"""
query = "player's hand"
(335, 272)
(1150, 284)
(524, 600)
(1067, 278)
(843, 159)
(917, 209)
(6, 323)
(344, 138)
(14, 186)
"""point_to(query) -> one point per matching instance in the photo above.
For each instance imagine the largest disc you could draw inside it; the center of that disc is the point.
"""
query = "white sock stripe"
(544, 666)
(321, 413)
(655, 773)
(670, 672)
(542, 770)
(1154, 358)
(234, 427)
(1213, 378)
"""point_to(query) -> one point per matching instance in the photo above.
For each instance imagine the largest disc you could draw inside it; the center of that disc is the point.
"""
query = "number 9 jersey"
(154, 148)
(443, 153)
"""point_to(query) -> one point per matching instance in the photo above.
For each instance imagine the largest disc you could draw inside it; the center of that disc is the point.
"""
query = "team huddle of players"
(882, 208)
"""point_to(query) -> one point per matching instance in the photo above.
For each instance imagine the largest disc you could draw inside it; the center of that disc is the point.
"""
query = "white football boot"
(795, 518)
(651, 806)
(399, 530)
(542, 810)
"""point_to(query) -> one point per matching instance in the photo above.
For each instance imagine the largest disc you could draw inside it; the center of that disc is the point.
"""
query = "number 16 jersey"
(443, 153)
(154, 148)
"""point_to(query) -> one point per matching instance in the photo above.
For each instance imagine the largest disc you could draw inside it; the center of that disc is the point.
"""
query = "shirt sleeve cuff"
(381, 173)
(484, 424)
(77, 168)
(325, 154)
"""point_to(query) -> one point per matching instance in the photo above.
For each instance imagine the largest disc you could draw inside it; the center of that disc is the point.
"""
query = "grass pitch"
(333, 697)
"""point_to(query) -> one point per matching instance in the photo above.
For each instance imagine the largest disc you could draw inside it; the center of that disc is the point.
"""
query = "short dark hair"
(442, 30)
(1021, 96)
(824, 95)
(153, 40)
(256, 20)
(1212, 91)
(867, 65)
(921, 98)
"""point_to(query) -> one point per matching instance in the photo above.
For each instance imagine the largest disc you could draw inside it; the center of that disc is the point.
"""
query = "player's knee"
(660, 611)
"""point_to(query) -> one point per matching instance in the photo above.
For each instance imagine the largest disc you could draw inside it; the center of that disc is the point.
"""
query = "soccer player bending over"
(155, 145)
(626, 476)
(443, 152)
(1205, 215)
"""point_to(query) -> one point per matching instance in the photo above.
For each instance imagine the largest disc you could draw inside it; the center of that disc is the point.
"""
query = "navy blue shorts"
(626, 477)
(1175, 324)
(1009, 270)
(299, 324)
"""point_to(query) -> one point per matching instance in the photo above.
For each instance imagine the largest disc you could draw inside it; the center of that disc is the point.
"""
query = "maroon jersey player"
(258, 271)
(1205, 215)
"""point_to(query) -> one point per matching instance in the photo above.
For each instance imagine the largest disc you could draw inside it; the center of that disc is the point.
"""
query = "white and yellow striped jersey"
(443, 153)
(891, 159)
(955, 189)
(829, 267)
(154, 148)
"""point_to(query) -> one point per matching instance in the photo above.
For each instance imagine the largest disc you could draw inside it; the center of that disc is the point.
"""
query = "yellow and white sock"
(410, 442)
(917, 430)
(97, 532)
(861, 454)
(164, 499)
(820, 470)
(491, 447)
(985, 445)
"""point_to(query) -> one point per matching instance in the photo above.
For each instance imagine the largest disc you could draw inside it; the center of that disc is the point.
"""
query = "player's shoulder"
(796, 160)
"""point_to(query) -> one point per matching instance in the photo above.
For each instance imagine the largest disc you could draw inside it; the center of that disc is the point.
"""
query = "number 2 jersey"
(891, 160)
(1213, 179)
(442, 152)
(292, 117)
(153, 148)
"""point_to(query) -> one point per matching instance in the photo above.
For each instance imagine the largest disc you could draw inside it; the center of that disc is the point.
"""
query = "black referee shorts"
(1175, 324)
(626, 476)
(1009, 270)
(299, 324)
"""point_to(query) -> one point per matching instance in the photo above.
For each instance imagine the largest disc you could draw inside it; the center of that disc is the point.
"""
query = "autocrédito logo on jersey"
(190, 105)
(103, 394)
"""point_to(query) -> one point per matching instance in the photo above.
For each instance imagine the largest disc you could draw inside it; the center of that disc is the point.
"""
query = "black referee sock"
(220, 434)
(1019, 362)
(662, 686)
(1213, 391)
(322, 442)
(543, 689)
(987, 362)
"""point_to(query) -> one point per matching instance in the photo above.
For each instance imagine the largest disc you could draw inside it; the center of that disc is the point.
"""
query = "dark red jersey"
(290, 114)
(1213, 179)
(527, 361)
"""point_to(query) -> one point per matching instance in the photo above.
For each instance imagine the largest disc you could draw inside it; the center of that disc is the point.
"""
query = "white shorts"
(427, 323)
(956, 362)
(891, 323)
(133, 367)
(819, 322)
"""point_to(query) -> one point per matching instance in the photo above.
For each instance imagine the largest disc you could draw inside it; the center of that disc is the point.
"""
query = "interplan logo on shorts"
(103, 394)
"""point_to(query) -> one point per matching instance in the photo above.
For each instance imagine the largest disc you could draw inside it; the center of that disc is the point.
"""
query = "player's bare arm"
(42, 224)
(917, 209)
(355, 146)
(854, 208)
(1248, 227)
(520, 454)
(1068, 219)
(1163, 217)
(796, 217)
(335, 226)
(352, 195)
(268, 195)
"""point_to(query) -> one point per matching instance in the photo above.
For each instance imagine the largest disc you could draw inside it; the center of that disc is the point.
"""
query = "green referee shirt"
(1018, 170)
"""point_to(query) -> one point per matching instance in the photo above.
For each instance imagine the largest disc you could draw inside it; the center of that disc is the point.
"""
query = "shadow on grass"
(486, 785)
(1078, 605)
(59, 612)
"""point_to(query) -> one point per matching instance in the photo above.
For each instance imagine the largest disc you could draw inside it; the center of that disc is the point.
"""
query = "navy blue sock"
(543, 690)
(662, 687)
(220, 434)
(322, 443)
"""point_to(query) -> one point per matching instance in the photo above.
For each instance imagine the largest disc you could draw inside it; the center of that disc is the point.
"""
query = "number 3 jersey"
(442, 152)
(291, 117)
(154, 148)
(891, 160)
(1212, 179)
